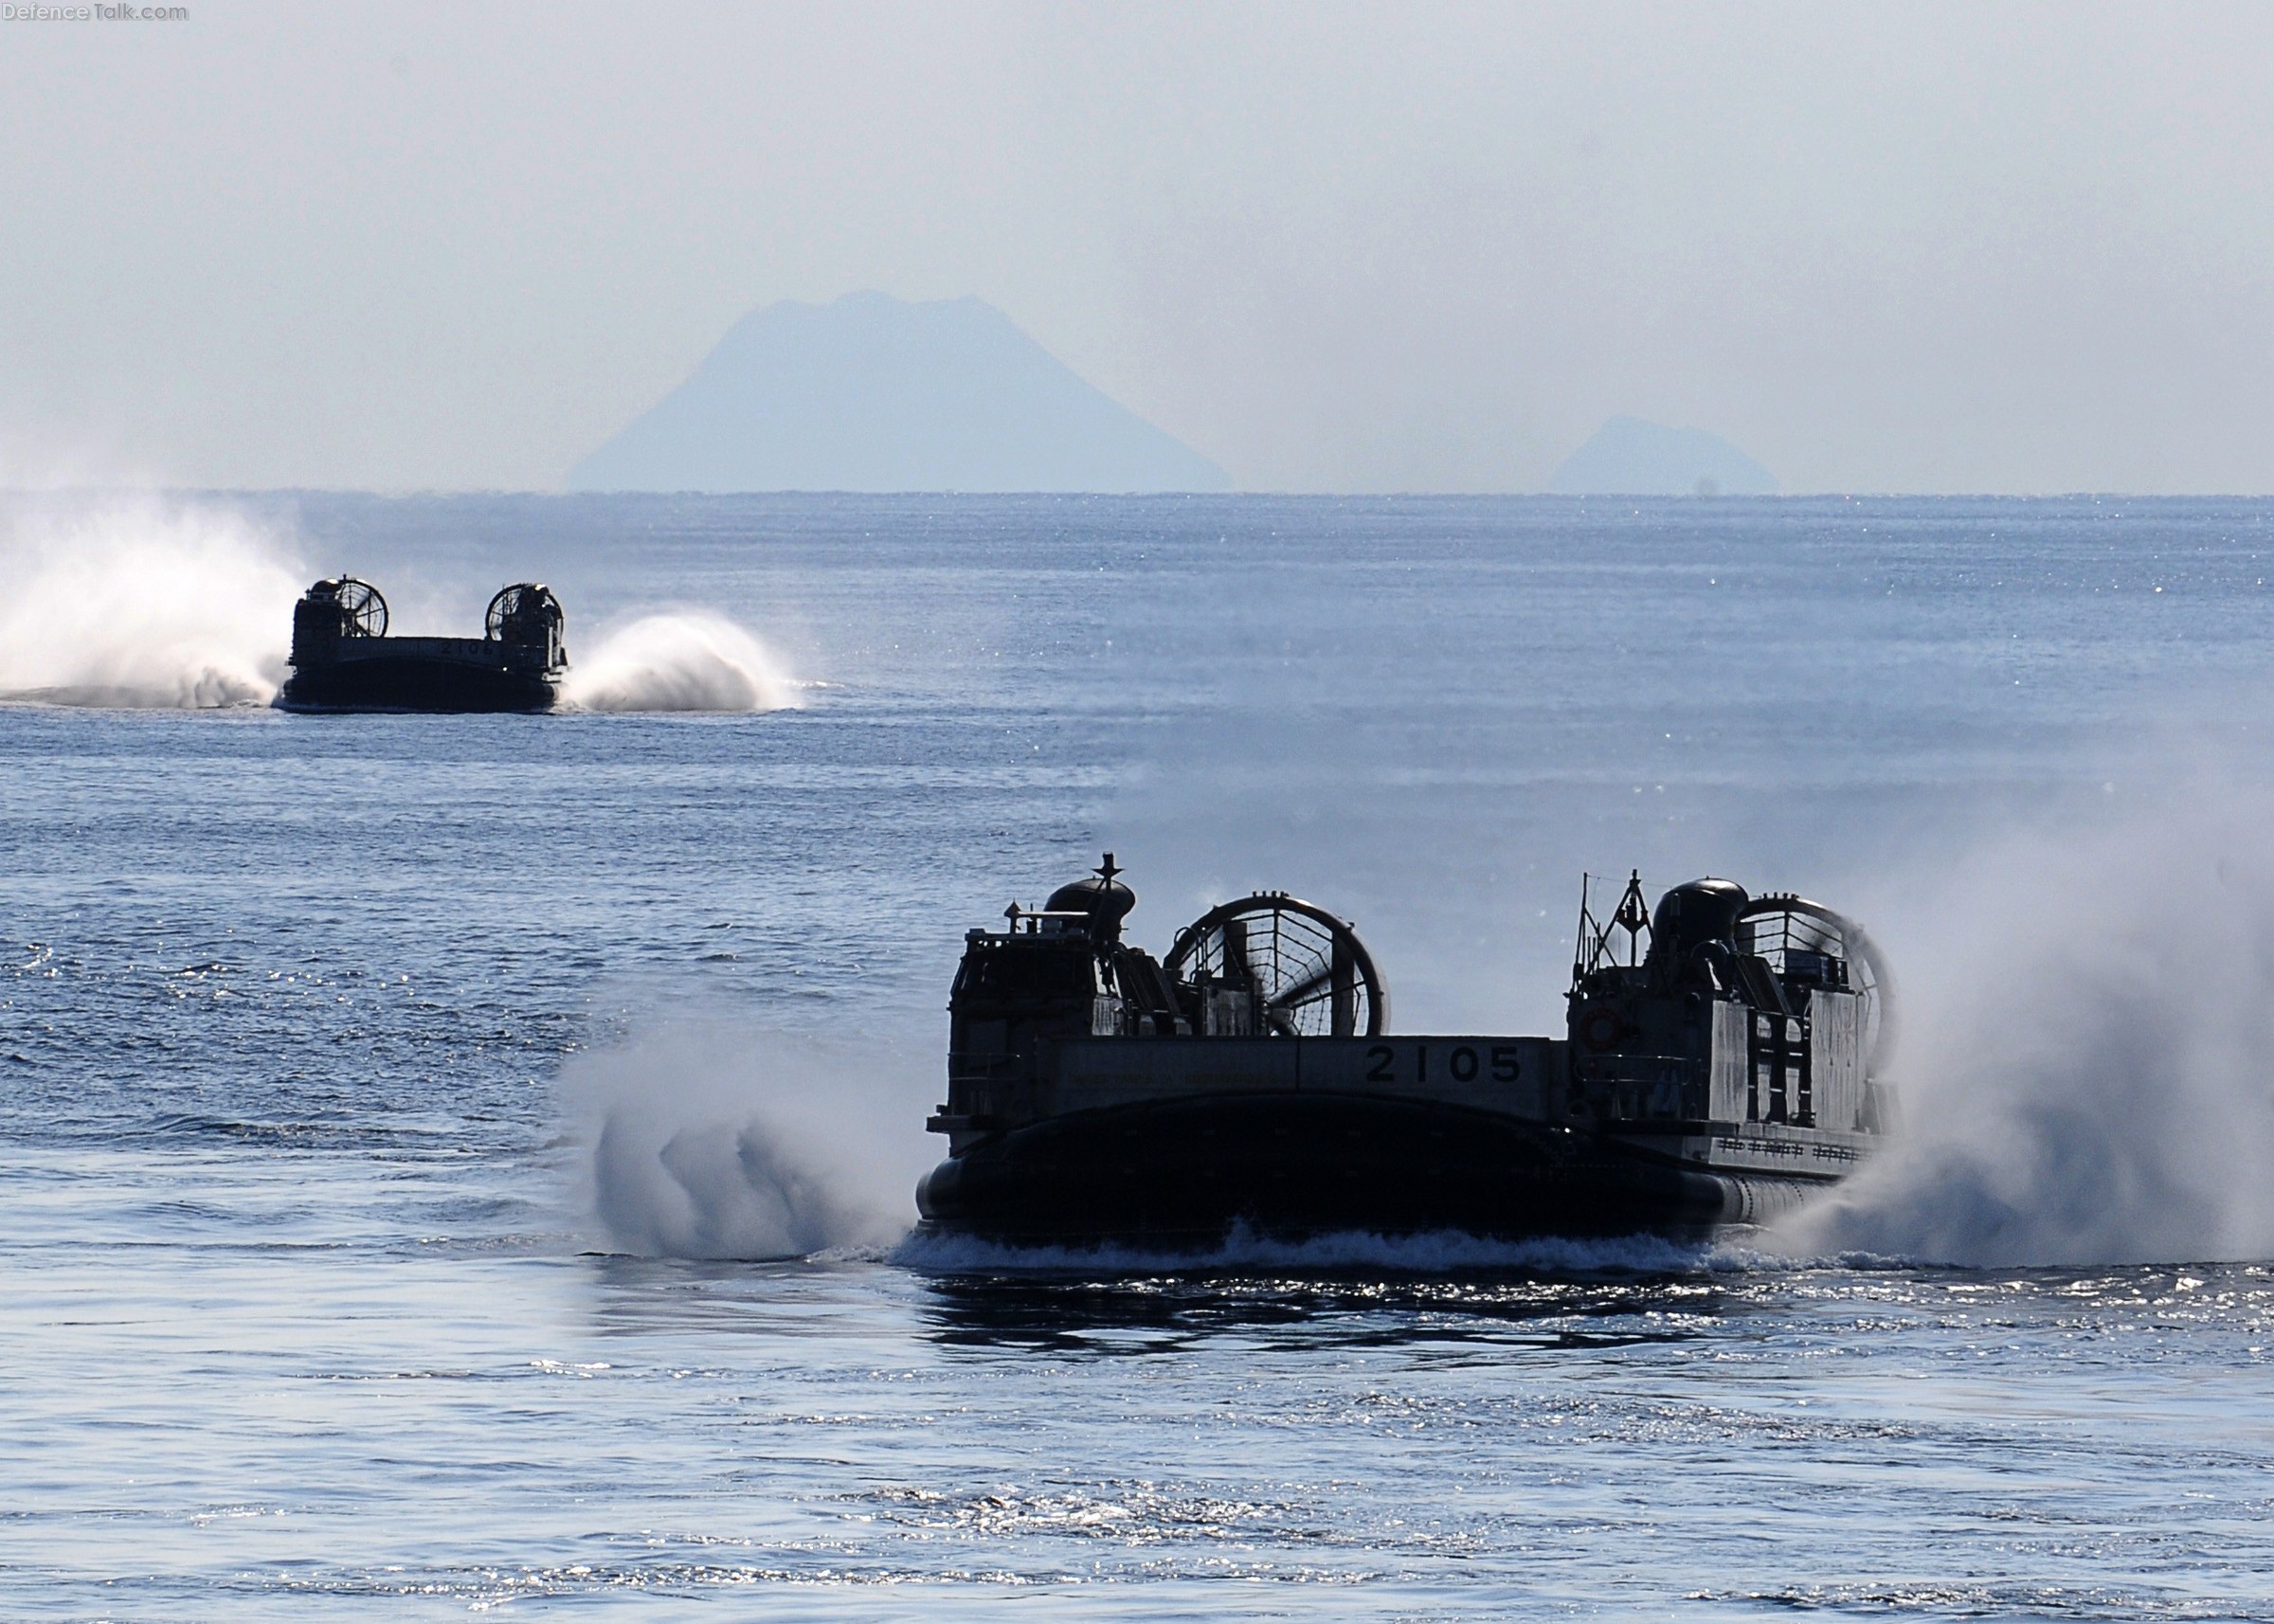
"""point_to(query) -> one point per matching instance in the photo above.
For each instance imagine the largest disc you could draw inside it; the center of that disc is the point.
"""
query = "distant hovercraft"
(1722, 1073)
(342, 659)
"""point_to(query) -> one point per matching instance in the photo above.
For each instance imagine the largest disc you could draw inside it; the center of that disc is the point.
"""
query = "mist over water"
(718, 1138)
(685, 660)
(145, 604)
(2086, 1066)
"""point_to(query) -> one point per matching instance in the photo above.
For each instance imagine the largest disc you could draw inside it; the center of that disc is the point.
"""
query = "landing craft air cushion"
(1718, 1065)
(342, 659)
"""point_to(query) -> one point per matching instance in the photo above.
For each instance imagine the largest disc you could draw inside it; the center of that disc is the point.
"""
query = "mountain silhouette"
(1628, 457)
(872, 393)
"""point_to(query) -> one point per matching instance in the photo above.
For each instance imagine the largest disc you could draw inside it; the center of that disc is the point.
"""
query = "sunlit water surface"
(305, 1311)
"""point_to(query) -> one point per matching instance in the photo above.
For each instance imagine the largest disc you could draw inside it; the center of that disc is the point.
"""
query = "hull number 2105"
(1440, 1062)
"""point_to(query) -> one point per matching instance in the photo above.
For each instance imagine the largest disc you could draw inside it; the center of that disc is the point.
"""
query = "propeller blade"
(1303, 988)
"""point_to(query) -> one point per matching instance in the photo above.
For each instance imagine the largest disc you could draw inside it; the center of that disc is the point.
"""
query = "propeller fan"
(1310, 974)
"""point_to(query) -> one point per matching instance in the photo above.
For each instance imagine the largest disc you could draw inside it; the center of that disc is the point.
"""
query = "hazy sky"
(1911, 247)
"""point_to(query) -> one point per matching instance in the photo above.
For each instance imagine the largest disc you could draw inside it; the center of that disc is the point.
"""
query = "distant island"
(874, 393)
(1628, 457)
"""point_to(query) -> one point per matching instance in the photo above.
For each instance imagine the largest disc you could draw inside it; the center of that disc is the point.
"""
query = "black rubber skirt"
(412, 683)
(1185, 1172)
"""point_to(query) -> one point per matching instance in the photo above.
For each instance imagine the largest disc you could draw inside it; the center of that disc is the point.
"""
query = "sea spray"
(710, 1139)
(682, 660)
(144, 604)
(2087, 1074)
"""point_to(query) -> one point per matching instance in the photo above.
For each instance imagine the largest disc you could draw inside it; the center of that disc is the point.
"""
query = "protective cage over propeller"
(1311, 975)
(524, 612)
(1778, 927)
(362, 610)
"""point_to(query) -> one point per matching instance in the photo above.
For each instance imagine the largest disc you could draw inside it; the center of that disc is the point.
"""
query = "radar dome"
(1105, 899)
(1694, 913)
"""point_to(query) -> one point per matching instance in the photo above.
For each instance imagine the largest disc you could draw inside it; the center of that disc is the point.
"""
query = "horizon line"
(532, 492)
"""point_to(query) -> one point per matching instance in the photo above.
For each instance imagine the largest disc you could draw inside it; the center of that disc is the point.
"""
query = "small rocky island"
(1628, 456)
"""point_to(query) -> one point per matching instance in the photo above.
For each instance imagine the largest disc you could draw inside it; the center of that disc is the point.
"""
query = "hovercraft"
(1718, 1065)
(343, 659)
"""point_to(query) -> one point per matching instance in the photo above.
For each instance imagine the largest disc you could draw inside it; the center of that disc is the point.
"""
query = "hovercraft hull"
(1249, 1081)
(406, 679)
(1185, 1172)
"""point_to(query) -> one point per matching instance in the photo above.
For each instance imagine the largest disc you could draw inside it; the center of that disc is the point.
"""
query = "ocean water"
(405, 1121)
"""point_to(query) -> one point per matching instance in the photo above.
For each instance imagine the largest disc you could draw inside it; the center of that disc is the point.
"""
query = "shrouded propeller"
(1774, 925)
(1310, 974)
(362, 610)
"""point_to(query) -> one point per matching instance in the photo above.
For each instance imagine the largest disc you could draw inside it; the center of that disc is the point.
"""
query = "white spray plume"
(687, 660)
(710, 1141)
(2087, 1072)
(144, 604)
